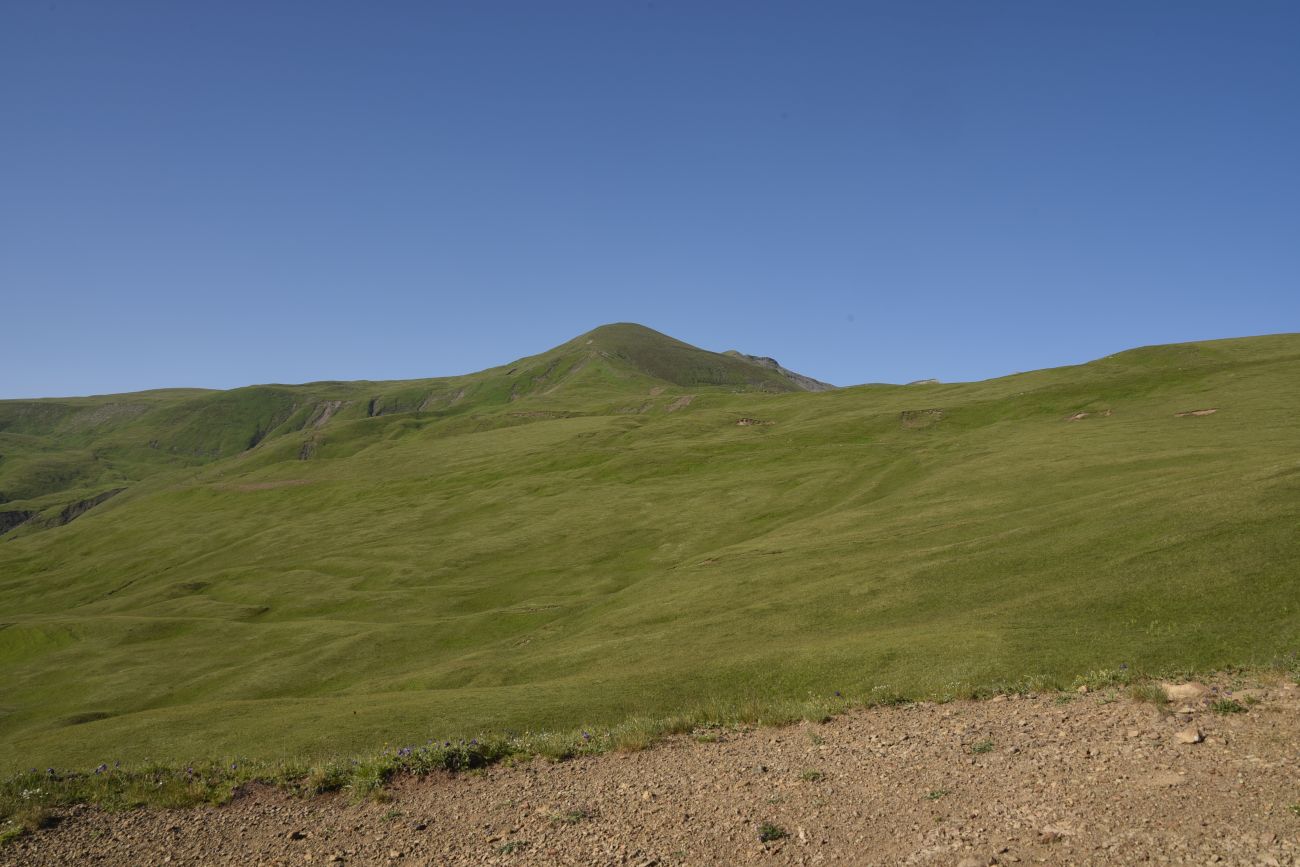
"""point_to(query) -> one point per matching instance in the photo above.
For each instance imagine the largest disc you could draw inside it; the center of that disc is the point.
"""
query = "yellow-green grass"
(580, 555)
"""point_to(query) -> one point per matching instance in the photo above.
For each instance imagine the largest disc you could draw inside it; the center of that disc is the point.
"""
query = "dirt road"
(1073, 779)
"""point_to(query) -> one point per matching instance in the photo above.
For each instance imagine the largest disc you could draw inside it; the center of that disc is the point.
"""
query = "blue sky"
(218, 194)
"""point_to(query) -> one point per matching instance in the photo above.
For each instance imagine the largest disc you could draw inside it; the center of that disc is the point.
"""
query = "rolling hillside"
(626, 525)
(56, 452)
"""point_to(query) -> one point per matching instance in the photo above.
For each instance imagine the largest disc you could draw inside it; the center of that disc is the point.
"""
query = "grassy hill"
(626, 525)
(55, 451)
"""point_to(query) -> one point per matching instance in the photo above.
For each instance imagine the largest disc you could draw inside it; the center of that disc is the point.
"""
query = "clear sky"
(225, 193)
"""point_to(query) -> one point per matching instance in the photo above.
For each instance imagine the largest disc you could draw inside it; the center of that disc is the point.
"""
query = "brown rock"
(1192, 691)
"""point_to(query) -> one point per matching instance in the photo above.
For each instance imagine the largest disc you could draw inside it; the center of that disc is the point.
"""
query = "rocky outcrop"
(919, 418)
(804, 383)
(9, 520)
(324, 411)
(73, 511)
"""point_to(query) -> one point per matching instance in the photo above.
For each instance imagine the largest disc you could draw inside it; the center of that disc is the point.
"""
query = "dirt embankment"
(1075, 779)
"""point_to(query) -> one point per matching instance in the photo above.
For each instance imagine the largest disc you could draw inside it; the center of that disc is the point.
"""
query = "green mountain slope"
(627, 525)
(57, 452)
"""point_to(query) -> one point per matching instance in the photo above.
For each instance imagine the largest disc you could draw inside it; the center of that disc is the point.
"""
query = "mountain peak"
(663, 357)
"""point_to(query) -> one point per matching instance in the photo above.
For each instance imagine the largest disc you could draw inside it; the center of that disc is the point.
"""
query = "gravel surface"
(1074, 779)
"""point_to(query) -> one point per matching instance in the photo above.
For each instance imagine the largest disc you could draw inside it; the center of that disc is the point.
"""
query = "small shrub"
(676, 725)
(26, 821)
(1064, 698)
(572, 816)
(326, 778)
(512, 847)
(817, 710)
(1150, 693)
(1227, 706)
(1106, 677)
(37, 818)
(369, 778)
(984, 746)
(1295, 809)
(767, 832)
(936, 794)
(811, 775)
(636, 734)
(886, 697)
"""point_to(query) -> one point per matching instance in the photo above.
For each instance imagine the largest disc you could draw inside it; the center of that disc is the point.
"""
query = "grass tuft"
(1149, 693)
(572, 816)
(1227, 706)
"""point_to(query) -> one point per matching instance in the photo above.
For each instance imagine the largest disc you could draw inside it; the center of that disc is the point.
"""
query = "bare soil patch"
(1049, 779)
(680, 403)
(1080, 416)
(324, 412)
(919, 418)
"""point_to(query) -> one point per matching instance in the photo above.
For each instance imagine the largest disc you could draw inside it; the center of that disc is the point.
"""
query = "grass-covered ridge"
(59, 450)
(588, 535)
